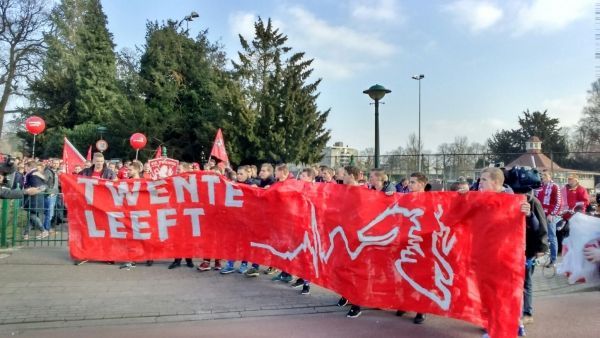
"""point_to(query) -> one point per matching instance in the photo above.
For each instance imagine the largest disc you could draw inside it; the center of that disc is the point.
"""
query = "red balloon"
(137, 141)
(35, 125)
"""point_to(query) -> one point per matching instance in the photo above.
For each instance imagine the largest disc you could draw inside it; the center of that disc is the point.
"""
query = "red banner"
(163, 167)
(459, 256)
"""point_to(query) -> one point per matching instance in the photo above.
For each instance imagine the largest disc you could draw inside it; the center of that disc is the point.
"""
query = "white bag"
(584, 230)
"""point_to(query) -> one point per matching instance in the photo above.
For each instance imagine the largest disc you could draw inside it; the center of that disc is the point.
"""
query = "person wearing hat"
(575, 196)
(575, 199)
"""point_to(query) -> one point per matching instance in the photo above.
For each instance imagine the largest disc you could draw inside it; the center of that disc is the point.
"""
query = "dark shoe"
(342, 302)
(305, 289)
(354, 312)
(400, 313)
(149, 263)
(189, 263)
(270, 271)
(252, 272)
(286, 278)
(110, 262)
(80, 262)
(419, 318)
(521, 332)
(298, 283)
(174, 265)
(218, 265)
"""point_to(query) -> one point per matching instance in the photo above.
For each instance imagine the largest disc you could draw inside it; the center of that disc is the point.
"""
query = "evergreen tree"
(78, 85)
(188, 93)
(288, 126)
(539, 124)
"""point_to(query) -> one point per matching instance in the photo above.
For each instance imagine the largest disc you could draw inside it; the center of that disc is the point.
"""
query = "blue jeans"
(553, 241)
(528, 289)
(49, 204)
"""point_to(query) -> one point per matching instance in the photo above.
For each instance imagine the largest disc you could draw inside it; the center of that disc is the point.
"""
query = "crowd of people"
(543, 208)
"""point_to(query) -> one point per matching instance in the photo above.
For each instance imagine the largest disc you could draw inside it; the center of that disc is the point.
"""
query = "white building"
(338, 155)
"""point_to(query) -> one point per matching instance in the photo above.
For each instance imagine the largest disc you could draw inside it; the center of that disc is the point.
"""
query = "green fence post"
(4, 223)
(15, 220)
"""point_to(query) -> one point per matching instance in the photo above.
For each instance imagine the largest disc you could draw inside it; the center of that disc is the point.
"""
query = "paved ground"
(43, 295)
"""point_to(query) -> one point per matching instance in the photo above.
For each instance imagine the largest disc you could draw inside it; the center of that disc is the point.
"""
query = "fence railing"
(447, 167)
(22, 223)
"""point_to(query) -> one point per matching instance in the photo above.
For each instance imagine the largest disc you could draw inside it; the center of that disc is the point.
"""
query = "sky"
(484, 62)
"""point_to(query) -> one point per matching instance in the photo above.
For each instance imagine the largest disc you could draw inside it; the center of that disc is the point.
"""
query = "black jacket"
(268, 182)
(106, 173)
(536, 233)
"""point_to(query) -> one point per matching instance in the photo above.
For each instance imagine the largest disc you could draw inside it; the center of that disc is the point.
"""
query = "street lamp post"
(419, 78)
(189, 18)
(377, 92)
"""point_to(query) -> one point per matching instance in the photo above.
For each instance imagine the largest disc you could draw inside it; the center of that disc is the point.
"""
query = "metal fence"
(445, 168)
(21, 226)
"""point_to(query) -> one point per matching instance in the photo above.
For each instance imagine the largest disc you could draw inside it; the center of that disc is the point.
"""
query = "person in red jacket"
(549, 194)
(576, 197)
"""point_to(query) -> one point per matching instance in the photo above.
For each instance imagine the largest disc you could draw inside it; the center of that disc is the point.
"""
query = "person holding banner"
(99, 169)
(183, 168)
(265, 180)
(306, 175)
(281, 174)
(416, 184)
(350, 178)
(134, 170)
(536, 236)
(242, 177)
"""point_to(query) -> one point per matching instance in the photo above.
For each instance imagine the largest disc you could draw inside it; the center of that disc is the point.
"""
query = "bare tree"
(22, 26)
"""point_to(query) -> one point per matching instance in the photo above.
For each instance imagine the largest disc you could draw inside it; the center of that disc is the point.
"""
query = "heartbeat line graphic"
(317, 251)
(443, 272)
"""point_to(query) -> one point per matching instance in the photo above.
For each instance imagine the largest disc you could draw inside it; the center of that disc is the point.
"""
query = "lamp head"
(418, 77)
(377, 92)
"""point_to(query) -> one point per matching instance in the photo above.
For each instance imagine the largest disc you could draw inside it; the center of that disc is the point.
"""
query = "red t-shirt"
(122, 173)
(97, 174)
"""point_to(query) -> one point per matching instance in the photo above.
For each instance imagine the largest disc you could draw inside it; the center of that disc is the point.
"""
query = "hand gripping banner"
(459, 256)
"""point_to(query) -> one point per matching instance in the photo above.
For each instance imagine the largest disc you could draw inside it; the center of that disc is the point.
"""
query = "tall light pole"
(419, 78)
(189, 18)
(377, 92)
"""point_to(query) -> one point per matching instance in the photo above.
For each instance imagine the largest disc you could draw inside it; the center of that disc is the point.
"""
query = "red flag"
(218, 150)
(158, 152)
(71, 157)
(89, 154)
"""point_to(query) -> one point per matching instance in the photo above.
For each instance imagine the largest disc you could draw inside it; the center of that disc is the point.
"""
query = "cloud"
(339, 51)
(242, 23)
(567, 109)
(551, 15)
(477, 15)
(380, 10)
(319, 33)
